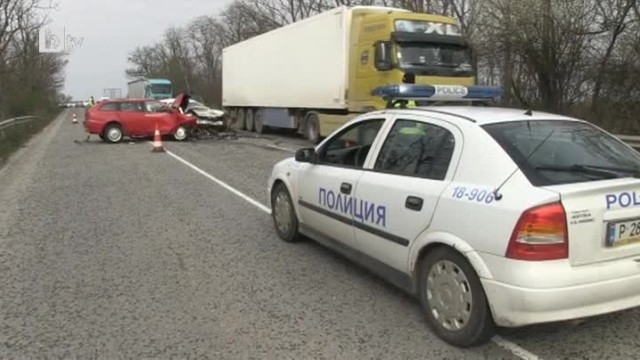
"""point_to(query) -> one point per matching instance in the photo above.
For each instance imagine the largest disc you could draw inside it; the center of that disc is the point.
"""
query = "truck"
(313, 75)
(150, 88)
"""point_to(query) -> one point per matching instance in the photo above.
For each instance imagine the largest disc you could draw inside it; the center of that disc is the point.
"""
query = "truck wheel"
(312, 129)
(241, 119)
(248, 119)
(453, 299)
(258, 121)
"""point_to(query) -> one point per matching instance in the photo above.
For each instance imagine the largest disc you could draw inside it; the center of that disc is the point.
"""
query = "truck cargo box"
(300, 65)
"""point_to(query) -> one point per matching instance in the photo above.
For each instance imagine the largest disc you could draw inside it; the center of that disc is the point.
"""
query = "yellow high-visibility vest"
(410, 103)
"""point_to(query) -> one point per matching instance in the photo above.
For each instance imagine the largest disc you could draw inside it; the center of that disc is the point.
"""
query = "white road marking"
(221, 183)
(513, 348)
(281, 148)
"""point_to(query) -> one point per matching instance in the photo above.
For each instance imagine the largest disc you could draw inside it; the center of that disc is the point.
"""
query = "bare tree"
(35, 78)
(570, 56)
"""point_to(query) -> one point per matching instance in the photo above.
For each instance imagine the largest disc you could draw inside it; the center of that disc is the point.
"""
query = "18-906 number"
(473, 194)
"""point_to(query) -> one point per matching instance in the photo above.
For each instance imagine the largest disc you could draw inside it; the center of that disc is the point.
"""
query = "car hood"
(181, 101)
(208, 112)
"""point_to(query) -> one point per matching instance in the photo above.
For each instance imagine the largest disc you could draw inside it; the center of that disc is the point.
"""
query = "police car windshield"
(572, 152)
(434, 59)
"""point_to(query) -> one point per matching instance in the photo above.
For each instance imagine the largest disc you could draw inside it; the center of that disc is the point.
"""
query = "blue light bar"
(437, 92)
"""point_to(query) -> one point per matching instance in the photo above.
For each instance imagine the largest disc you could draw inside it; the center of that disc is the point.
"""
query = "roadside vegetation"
(577, 57)
(30, 81)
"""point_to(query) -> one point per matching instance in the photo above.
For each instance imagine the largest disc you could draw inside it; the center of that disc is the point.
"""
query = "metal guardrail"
(15, 121)
(633, 141)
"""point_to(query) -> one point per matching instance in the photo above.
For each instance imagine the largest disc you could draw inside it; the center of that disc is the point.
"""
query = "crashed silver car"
(210, 121)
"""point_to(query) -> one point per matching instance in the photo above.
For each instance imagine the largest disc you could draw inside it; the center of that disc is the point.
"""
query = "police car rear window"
(551, 152)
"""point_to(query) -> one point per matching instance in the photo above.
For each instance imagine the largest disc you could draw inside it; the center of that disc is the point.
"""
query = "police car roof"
(482, 115)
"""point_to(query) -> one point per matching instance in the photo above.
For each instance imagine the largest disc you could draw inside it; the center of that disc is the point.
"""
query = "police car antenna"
(496, 194)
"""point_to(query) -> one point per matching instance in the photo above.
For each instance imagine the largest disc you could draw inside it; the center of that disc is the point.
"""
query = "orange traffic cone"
(157, 142)
(75, 119)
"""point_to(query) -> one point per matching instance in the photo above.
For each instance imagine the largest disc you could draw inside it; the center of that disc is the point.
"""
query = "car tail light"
(540, 234)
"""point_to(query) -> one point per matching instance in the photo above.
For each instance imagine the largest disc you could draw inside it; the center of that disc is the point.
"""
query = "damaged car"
(209, 121)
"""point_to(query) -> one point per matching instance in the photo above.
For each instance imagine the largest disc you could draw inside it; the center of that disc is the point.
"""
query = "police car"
(489, 216)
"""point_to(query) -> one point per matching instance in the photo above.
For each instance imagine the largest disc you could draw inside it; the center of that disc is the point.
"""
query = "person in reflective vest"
(91, 101)
(407, 78)
(409, 103)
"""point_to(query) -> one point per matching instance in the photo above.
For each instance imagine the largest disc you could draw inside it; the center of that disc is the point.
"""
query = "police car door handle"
(414, 203)
(345, 188)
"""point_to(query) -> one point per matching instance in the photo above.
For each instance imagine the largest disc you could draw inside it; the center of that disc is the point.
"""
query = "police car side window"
(415, 148)
(351, 146)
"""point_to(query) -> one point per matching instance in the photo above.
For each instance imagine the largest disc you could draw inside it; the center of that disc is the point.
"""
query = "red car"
(114, 119)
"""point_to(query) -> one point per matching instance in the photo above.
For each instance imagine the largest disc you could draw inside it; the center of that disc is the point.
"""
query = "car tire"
(113, 133)
(284, 215)
(445, 276)
(312, 129)
(182, 133)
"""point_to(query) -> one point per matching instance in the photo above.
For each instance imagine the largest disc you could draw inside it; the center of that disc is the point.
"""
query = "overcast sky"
(107, 30)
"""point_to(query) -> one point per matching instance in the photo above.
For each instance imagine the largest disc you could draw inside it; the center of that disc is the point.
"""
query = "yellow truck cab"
(315, 74)
(390, 44)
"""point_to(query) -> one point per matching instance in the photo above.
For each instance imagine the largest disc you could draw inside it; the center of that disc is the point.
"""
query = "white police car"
(490, 216)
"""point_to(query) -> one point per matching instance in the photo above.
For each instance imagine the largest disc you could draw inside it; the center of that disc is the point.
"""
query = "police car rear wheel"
(453, 298)
(283, 214)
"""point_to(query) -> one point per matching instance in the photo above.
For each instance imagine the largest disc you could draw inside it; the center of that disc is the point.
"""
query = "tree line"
(30, 81)
(576, 57)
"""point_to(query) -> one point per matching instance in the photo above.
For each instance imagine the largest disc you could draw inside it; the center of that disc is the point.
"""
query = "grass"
(15, 136)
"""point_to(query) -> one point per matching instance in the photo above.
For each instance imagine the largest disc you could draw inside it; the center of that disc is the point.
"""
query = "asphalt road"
(112, 251)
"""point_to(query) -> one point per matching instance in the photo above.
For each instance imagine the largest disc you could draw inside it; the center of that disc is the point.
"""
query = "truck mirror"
(382, 56)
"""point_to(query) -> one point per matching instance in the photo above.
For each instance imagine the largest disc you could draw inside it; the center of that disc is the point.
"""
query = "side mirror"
(306, 155)
(382, 57)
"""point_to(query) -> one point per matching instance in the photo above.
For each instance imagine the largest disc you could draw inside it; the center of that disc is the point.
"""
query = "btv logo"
(57, 40)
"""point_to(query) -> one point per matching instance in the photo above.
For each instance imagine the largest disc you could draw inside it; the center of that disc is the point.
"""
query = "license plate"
(623, 232)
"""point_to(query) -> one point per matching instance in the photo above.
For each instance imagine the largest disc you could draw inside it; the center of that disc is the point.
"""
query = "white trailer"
(272, 70)
(137, 88)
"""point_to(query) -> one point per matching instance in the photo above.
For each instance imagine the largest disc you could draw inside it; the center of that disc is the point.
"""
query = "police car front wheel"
(283, 214)
(453, 298)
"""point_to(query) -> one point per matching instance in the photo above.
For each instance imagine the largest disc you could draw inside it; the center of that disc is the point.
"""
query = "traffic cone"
(75, 119)
(157, 142)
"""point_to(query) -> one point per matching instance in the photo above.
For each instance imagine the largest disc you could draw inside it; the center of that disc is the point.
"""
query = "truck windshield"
(161, 88)
(434, 59)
